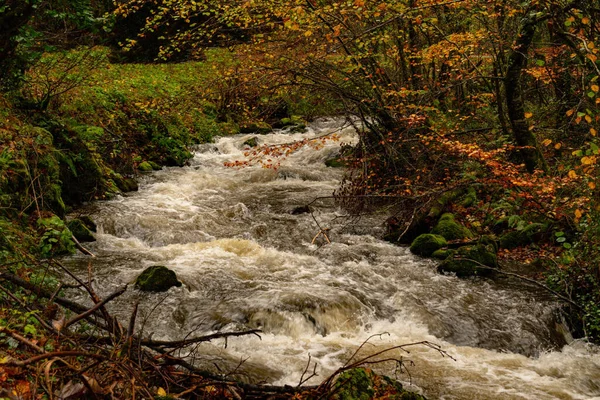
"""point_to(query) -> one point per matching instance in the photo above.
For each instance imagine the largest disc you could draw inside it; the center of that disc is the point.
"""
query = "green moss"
(364, 384)
(424, 245)
(521, 237)
(88, 222)
(467, 261)
(155, 166)
(80, 231)
(450, 229)
(145, 166)
(251, 142)
(442, 254)
(156, 279)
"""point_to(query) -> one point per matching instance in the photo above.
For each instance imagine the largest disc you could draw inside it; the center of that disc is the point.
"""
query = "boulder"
(442, 254)
(88, 222)
(522, 237)
(459, 261)
(251, 142)
(424, 245)
(156, 279)
(81, 232)
(145, 166)
(155, 166)
(450, 229)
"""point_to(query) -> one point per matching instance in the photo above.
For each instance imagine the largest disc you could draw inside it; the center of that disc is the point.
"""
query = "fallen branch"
(187, 342)
(96, 307)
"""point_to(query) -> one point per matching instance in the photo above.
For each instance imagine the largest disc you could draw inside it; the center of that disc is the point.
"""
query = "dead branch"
(207, 338)
(96, 307)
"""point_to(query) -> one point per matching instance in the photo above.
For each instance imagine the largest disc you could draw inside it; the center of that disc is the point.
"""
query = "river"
(246, 262)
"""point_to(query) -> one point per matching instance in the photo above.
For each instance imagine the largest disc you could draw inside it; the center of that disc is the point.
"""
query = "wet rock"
(442, 254)
(424, 245)
(467, 261)
(252, 142)
(81, 232)
(155, 166)
(156, 279)
(88, 222)
(300, 210)
(145, 166)
(335, 162)
(450, 229)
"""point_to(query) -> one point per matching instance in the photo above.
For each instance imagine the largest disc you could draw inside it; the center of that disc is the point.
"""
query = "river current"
(248, 263)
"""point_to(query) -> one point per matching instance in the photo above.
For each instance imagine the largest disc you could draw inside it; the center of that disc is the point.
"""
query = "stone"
(300, 210)
(145, 166)
(459, 261)
(523, 237)
(156, 278)
(251, 142)
(88, 222)
(450, 229)
(81, 232)
(427, 243)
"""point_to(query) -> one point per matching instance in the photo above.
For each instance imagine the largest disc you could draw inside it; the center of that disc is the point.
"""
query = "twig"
(81, 248)
(45, 356)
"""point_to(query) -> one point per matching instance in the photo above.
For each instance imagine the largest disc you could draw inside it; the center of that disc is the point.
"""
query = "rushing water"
(246, 262)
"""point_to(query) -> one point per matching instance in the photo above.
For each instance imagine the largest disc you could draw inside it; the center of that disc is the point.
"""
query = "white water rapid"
(246, 262)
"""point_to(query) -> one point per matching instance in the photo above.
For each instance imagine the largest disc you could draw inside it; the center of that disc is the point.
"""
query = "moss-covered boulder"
(523, 237)
(156, 279)
(145, 166)
(155, 166)
(364, 384)
(468, 261)
(88, 222)
(81, 232)
(442, 254)
(424, 245)
(450, 229)
(251, 142)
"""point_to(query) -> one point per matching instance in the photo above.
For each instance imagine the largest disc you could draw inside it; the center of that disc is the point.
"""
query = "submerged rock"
(468, 261)
(300, 210)
(256, 127)
(80, 230)
(252, 142)
(88, 222)
(450, 229)
(156, 279)
(427, 243)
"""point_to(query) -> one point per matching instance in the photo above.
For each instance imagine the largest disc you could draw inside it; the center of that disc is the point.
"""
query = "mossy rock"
(89, 223)
(156, 279)
(458, 261)
(125, 184)
(260, 128)
(155, 166)
(251, 142)
(425, 245)
(450, 229)
(145, 166)
(523, 237)
(469, 198)
(81, 232)
(364, 384)
(442, 254)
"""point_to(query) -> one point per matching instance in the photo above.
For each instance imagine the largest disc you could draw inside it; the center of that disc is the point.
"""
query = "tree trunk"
(524, 137)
